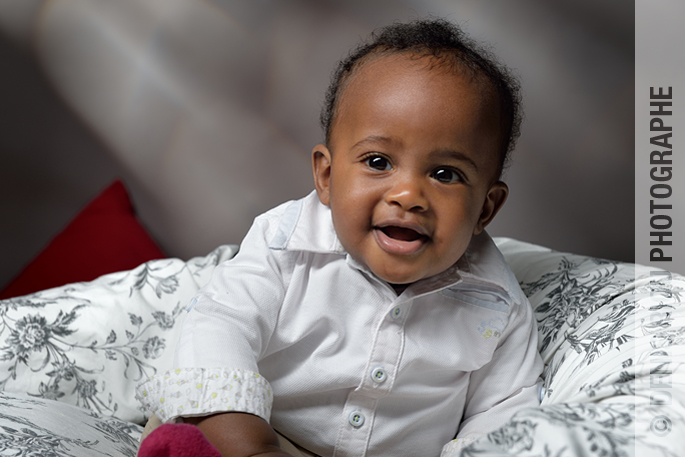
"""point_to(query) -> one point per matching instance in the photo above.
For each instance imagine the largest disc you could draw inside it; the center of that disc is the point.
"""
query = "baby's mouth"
(401, 233)
(399, 240)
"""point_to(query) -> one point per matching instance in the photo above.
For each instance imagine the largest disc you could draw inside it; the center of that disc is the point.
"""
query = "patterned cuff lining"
(202, 391)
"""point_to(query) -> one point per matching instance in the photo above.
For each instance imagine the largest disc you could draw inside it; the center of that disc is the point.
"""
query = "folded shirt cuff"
(204, 391)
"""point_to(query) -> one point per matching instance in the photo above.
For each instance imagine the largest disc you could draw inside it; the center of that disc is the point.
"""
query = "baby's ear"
(321, 166)
(494, 201)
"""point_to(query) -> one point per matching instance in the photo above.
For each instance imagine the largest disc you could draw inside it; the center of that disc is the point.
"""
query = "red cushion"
(103, 238)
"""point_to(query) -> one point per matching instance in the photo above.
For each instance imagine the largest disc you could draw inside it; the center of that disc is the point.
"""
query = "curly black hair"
(451, 47)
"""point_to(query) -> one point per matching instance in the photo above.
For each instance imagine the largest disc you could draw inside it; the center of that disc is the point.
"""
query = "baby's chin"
(401, 279)
(401, 276)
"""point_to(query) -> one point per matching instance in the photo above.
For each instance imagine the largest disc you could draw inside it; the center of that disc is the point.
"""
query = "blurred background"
(208, 111)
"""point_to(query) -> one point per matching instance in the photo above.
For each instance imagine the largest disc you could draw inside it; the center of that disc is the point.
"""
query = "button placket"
(384, 358)
(387, 350)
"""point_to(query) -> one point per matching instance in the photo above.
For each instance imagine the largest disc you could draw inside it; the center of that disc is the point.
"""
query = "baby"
(374, 316)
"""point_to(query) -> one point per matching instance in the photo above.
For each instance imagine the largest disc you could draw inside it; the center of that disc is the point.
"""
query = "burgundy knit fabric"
(177, 440)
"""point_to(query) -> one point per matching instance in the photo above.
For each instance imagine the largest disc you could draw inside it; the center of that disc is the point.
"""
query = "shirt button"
(396, 312)
(379, 375)
(356, 419)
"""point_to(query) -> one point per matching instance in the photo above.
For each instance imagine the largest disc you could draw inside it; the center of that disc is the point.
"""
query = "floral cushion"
(32, 426)
(89, 344)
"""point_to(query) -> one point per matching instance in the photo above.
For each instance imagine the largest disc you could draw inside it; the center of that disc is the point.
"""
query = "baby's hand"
(238, 435)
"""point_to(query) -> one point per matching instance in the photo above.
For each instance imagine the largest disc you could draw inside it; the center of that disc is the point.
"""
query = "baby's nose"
(408, 194)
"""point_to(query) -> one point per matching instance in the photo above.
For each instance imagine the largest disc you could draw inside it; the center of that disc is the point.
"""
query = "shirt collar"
(307, 225)
(484, 264)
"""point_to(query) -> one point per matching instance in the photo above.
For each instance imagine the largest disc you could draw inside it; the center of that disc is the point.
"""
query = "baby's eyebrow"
(373, 139)
(453, 154)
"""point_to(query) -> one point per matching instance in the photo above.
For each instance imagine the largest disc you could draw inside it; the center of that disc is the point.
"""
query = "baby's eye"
(446, 175)
(378, 163)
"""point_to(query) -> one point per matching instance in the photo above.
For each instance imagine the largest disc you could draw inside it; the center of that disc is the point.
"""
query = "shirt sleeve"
(223, 336)
(509, 383)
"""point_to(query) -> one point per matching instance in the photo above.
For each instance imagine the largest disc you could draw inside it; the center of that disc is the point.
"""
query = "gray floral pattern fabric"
(32, 426)
(89, 344)
(612, 336)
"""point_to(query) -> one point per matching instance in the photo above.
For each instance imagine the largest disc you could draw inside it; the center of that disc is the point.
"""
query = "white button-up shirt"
(296, 331)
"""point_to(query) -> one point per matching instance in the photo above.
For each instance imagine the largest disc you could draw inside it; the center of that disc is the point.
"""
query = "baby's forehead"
(376, 73)
(366, 72)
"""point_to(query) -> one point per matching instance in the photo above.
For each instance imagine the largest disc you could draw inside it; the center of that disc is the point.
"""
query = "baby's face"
(410, 175)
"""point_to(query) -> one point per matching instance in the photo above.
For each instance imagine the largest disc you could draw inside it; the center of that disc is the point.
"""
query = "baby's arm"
(226, 329)
(239, 434)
